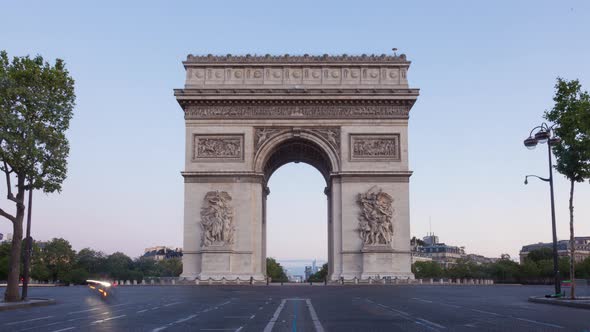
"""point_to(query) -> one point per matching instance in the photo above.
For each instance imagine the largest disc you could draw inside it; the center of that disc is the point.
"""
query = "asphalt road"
(297, 308)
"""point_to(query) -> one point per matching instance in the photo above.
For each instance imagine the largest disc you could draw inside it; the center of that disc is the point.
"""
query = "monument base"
(381, 261)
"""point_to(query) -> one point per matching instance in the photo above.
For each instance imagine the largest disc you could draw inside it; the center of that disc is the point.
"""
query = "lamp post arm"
(536, 176)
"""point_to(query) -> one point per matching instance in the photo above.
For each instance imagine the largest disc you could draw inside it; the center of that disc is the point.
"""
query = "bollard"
(237, 280)
(342, 280)
(442, 282)
(420, 281)
(251, 280)
(356, 281)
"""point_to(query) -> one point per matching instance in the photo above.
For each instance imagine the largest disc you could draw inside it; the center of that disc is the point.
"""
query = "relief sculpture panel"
(218, 147)
(217, 219)
(374, 147)
(375, 219)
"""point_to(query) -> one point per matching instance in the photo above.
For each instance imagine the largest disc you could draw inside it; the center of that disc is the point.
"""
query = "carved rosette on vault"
(217, 220)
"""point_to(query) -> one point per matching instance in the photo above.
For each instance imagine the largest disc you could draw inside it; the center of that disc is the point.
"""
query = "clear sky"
(486, 71)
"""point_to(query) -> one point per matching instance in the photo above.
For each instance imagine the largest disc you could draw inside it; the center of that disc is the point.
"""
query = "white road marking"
(485, 312)
(237, 317)
(540, 323)
(274, 317)
(170, 304)
(28, 320)
(100, 321)
(189, 317)
(420, 321)
(66, 329)
(238, 330)
(140, 311)
(425, 325)
(431, 323)
(252, 317)
(427, 301)
(81, 311)
(314, 317)
(37, 327)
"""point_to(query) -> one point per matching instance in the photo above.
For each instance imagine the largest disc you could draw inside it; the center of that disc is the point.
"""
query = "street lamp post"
(544, 134)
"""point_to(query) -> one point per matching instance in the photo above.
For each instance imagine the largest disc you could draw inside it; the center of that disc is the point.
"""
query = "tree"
(91, 261)
(540, 254)
(275, 270)
(119, 266)
(428, 270)
(321, 275)
(571, 117)
(59, 258)
(36, 105)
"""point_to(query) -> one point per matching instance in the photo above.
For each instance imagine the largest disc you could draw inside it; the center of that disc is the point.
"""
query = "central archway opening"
(297, 219)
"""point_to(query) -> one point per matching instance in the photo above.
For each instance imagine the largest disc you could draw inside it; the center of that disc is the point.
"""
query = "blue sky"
(486, 71)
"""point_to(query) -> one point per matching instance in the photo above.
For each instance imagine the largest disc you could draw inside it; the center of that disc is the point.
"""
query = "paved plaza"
(297, 308)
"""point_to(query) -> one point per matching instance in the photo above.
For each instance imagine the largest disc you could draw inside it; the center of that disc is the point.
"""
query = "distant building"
(430, 239)
(420, 257)
(160, 253)
(479, 259)
(308, 272)
(581, 246)
(443, 254)
(296, 278)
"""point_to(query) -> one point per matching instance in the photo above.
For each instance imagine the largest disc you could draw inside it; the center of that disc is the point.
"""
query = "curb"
(38, 302)
(565, 303)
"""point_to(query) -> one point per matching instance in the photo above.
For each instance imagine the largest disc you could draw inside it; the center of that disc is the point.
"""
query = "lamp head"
(542, 136)
(554, 140)
(526, 180)
(530, 143)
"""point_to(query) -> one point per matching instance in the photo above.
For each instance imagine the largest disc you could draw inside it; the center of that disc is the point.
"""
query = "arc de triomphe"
(246, 116)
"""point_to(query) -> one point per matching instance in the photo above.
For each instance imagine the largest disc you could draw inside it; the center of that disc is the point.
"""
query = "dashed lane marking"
(485, 312)
(100, 321)
(27, 320)
(81, 311)
(65, 329)
(190, 317)
(540, 323)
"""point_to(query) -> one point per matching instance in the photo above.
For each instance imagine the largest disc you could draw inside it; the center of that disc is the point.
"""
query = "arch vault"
(246, 116)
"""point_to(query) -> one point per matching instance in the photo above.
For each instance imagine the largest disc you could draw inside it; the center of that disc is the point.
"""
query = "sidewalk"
(31, 302)
(581, 302)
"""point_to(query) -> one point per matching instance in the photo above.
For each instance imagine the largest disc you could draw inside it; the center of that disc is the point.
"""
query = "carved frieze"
(295, 112)
(375, 147)
(375, 218)
(218, 147)
(217, 219)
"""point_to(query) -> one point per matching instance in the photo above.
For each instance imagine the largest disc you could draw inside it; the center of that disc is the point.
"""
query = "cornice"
(249, 59)
(180, 93)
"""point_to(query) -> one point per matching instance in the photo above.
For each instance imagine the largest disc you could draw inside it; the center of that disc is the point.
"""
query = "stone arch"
(296, 146)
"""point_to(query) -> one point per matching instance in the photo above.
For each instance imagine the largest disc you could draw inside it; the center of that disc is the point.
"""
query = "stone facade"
(246, 116)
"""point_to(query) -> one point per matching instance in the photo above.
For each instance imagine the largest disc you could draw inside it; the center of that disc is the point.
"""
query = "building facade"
(582, 248)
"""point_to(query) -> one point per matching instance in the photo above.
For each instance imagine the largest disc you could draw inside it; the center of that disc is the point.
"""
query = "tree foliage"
(571, 115)
(56, 261)
(321, 275)
(275, 271)
(36, 105)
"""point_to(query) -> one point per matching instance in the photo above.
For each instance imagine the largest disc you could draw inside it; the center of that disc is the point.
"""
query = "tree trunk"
(572, 242)
(12, 291)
